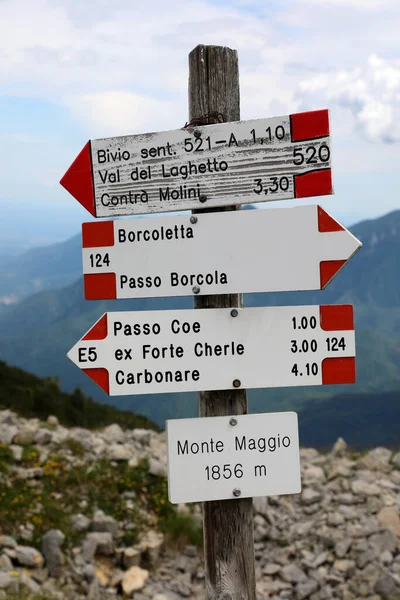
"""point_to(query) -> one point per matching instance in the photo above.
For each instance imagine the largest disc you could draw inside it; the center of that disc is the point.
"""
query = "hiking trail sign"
(218, 458)
(281, 249)
(239, 162)
(149, 352)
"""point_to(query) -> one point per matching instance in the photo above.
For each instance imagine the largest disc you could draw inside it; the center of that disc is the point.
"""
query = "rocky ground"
(85, 515)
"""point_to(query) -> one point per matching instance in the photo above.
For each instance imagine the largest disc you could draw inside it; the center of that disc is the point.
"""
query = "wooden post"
(228, 524)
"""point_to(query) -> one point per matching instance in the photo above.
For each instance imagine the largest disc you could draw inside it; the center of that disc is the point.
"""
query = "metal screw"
(196, 289)
(236, 492)
(234, 312)
(203, 198)
(193, 220)
(236, 383)
(233, 421)
(197, 133)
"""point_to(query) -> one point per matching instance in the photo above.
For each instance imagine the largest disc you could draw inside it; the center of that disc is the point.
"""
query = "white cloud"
(371, 93)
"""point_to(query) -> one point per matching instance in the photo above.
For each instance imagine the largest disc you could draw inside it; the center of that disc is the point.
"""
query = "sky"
(71, 71)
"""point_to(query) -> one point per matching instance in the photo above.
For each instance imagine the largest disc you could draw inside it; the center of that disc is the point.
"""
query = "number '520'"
(311, 155)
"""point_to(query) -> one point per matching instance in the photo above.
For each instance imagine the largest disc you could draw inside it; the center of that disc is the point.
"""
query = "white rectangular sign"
(218, 458)
(280, 249)
(149, 352)
(261, 160)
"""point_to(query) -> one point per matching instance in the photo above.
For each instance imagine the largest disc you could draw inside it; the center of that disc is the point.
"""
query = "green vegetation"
(31, 396)
(64, 490)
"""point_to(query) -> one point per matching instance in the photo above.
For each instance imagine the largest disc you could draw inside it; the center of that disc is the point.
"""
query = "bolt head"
(196, 289)
(234, 312)
(236, 383)
(233, 421)
(236, 492)
(197, 133)
(203, 198)
(193, 220)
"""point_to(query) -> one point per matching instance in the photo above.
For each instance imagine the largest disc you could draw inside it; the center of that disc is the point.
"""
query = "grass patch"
(6, 458)
(182, 529)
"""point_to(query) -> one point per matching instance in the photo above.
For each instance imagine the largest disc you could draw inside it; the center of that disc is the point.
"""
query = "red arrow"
(78, 180)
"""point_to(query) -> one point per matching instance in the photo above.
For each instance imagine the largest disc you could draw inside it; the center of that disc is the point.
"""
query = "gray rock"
(310, 496)
(104, 523)
(80, 522)
(396, 460)
(97, 543)
(387, 540)
(304, 590)
(114, 434)
(335, 519)
(363, 488)
(7, 541)
(17, 452)
(142, 436)
(131, 558)
(386, 586)
(52, 421)
(190, 551)
(43, 436)
(51, 549)
(158, 468)
(342, 547)
(5, 563)
(28, 557)
(26, 434)
(7, 434)
(29, 583)
(5, 581)
(339, 448)
(377, 459)
(292, 574)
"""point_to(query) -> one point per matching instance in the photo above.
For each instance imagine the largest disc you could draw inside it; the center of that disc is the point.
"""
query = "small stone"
(131, 558)
(271, 569)
(386, 586)
(43, 436)
(342, 547)
(339, 448)
(80, 522)
(133, 462)
(377, 459)
(387, 540)
(389, 518)
(345, 566)
(7, 541)
(396, 460)
(102, 522)
(51, 549)
(141, 435)
(7, 434)
(360, 487)
(119, 452)
(134, 579)
(52, 421)
(190, 551)
(97, 543)
(158, 468)
(310, 496)
(26, 435)
(292, 574)
(304, 590)
(114, 434)
(28, 557)
(335, 519)
(386, 558)
(17, 452)
(5, 563)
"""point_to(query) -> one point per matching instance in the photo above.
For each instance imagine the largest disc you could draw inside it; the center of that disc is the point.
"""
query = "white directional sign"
(217, 458)
(149, 352)
(281, 249)
(200, 167)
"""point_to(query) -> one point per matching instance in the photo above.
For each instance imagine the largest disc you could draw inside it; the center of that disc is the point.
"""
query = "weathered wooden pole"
(228, 524)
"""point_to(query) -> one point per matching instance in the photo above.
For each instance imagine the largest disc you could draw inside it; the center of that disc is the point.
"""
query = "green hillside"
(31, 397)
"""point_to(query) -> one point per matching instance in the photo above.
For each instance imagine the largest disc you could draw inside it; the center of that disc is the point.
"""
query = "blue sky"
(70, 71)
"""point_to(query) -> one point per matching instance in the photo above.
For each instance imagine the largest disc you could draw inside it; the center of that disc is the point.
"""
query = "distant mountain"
(37, 269)
(37, 333)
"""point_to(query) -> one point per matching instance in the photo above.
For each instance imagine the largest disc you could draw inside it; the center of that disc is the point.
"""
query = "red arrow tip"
(328, 270)
(99, 376)
(78, 180)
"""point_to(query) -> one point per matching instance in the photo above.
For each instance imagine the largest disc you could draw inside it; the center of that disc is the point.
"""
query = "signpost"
(228, 457)
(149, 352)
(281, 249)
(215, 165)
(217, 458)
